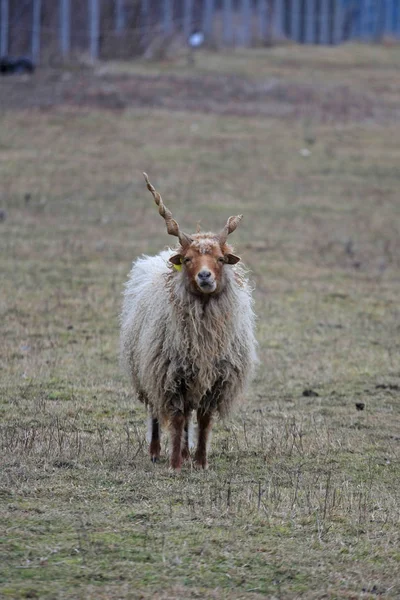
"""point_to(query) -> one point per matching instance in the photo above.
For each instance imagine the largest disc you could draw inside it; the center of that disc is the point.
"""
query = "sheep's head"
(202, 256)
(203, 262)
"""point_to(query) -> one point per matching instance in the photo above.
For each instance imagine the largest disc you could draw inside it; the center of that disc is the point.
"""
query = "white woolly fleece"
(181, 352)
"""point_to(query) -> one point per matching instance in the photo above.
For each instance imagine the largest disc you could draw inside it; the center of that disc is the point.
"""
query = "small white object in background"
(305, 152)
(196, 39)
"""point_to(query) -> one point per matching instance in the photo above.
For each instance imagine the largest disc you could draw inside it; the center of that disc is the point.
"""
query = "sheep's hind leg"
(177, 425)
(204, 424)
(155, 439)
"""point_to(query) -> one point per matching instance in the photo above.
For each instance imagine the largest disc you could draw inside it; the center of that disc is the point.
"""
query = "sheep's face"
(203, 263)
(202, 256)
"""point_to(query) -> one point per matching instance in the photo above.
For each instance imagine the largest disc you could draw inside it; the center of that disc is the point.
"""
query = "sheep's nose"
(204, 274)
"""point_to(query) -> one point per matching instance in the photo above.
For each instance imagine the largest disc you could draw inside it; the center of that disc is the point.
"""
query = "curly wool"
(177, 347)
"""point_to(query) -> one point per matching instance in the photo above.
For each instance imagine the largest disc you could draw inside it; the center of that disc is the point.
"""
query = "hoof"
(155, 451)
(174, 471)
(185, 454)
(200, 463)
(175, 465)
(201, 466)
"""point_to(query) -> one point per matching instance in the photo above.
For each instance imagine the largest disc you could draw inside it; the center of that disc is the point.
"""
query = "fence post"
(167, 17)
(65, 27)
(337, 35)
(119, 16)
(262, 20)
(36, 14)
(245, 29)
(94, 28)
(208, 18)
(324, 22)
(389, 17)
(278, 14)
(4, 12)
(309, 30)
(295, 21)
(144, 23)
(380, 14)
(365, 19)
(396, 22)
(353, 21)
(187, 17)
(375, 20)
(227, 22)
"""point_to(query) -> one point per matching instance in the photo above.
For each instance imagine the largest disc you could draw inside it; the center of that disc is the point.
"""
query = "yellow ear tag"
(178, 267)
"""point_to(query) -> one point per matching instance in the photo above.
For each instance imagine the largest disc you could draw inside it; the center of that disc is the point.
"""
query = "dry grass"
(302, 498)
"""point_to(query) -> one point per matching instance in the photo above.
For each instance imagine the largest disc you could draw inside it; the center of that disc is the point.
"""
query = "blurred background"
(50, 29)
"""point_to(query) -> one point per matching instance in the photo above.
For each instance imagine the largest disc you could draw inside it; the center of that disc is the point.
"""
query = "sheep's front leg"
(155, 439)
(204, 424)
(177, 425)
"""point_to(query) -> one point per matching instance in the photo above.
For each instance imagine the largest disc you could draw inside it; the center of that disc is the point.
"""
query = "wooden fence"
(114, 28)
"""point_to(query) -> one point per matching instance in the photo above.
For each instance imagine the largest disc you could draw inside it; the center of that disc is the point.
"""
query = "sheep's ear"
(176, 259)
(231, 259)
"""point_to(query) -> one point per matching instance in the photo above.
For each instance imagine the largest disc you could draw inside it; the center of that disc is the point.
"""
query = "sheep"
(187, 335)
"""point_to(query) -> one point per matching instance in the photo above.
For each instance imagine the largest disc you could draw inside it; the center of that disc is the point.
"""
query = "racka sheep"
(187, 334)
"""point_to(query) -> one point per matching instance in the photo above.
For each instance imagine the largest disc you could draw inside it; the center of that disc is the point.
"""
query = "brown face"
(202, 255)
(203, 262)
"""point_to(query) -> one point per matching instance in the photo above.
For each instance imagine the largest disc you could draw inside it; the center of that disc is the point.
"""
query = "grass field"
(302, 498)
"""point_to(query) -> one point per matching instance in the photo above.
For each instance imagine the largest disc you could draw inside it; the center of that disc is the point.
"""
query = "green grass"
(302, 496)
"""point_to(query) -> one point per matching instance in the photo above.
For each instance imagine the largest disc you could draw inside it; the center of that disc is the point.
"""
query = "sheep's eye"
(221, 259)
(187, 260)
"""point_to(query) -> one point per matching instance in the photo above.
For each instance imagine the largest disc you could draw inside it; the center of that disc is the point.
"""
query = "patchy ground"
(302, 497)
(224, 84)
